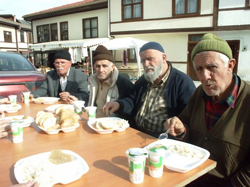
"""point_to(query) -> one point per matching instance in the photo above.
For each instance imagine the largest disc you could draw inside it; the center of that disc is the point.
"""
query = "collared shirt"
(153, 112)
(214, 111)
(101, 95)
(63, 81)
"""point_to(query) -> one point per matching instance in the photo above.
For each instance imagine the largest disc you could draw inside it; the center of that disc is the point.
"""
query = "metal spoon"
(164, 135)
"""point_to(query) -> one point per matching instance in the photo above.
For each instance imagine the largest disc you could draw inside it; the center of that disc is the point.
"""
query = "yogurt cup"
(26, 97)
(12, 99)
(91, 113)
(17, 131)
(78, 105)
(156, 157)
(136, 164)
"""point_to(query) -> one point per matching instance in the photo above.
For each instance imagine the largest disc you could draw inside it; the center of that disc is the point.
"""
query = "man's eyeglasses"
(63, 63)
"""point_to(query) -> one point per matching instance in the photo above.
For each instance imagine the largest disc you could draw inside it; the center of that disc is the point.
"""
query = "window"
(53, 31)
(30, 37)
(7, 36)
(64, 30)
(131, 55)
(132, 10)
(186, 7)
(22, 36)
(43, 33)
(247, 3)
(90, 28)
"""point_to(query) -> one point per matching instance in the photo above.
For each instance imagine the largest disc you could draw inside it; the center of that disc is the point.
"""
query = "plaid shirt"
(213, 111)
(153, 112)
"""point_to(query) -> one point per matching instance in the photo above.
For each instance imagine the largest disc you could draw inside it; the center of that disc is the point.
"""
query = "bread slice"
(107, 124)
(48, 122)
(58, 109)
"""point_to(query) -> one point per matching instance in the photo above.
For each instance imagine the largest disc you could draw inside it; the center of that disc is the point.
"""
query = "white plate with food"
(180, 156)
(49, 168)
(56, 131)
(24, 119)
(107, 125)
(45, 100)
(54, 107)
(10, 108)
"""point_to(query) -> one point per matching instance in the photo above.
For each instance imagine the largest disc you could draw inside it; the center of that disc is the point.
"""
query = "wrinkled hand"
(27, 184)
(176, 125)
(4, 128)
(64, 95)
(4, 101)
(110, 107)
(71, 98)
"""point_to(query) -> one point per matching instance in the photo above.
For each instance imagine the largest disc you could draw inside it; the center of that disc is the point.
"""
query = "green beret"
(210, 42)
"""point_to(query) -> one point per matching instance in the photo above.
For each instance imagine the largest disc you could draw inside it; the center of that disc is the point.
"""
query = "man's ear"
(164, 57)
(231, 64)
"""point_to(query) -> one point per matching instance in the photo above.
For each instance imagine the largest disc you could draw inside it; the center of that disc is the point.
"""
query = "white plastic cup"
(78, 105)
(17, 132)
(136, 166)
(156, 158)
(12, 99)
(91, 113)
(26, 97)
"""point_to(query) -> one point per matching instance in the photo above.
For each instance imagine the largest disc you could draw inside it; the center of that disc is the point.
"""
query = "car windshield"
(14, 62)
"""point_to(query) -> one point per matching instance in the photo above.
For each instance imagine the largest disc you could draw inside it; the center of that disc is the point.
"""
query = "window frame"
(186, 8)
(29, 36)
(128, 55)
(22, 36)
(61, 29)
(51, 32)
(44, 33)
(132, 12)
(91, 28)
(7, 39)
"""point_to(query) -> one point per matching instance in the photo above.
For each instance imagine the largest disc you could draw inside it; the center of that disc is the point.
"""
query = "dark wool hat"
(152, 45)
(210, 42)
(102, 53)
(63, 54)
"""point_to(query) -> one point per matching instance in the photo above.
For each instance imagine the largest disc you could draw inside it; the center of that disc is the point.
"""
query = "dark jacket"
(77, 85)
(178, 89)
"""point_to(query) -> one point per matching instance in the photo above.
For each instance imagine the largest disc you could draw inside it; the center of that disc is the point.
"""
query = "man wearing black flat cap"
(64, 80)
(162, 92)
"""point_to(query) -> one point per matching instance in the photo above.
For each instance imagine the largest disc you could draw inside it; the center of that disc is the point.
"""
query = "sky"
(20, 8)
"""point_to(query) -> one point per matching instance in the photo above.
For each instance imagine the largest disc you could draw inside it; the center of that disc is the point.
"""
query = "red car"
(18, 75)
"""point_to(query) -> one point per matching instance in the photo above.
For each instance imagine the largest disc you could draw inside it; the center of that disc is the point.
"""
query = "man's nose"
(206, 75)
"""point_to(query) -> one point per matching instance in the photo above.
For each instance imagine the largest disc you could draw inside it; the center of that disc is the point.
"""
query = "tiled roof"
(71, 5)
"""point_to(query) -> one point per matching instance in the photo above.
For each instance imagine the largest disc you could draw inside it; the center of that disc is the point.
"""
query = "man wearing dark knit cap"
(64, 80)
(162, 92)
(106, 84)
(217, 115)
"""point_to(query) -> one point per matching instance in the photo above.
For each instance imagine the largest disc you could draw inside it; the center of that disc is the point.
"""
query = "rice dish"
(185, 151)
(36, 170)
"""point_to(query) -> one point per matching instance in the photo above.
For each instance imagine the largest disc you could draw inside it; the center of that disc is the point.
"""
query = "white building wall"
(223, 4)
(207, 7)
(234, 17)
(157, 9)
(75, 23)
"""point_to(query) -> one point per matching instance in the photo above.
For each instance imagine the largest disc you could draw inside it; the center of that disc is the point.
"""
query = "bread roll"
(58, 109)
(48, 122)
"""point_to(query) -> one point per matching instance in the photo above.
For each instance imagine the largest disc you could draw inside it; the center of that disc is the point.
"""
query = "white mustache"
(209, 82)
(60, 68)
(149, 68)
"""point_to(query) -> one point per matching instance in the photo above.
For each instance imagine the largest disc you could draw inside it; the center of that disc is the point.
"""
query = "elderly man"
(216, 117)
(160, 93)
(106, 84)
(64, 80)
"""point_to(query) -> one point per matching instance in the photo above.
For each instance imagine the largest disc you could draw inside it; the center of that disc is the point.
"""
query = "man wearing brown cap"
(162, 92)
(64, 80)
(106, 84)
(217, 115)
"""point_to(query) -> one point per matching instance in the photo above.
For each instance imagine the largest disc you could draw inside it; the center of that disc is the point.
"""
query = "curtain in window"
(127, 12)
(137, 11)
(192, 6)
(179, 6)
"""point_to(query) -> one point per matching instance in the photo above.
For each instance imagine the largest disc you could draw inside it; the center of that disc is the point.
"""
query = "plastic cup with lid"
(136, 164)
(78, 107)
(12, 99)
(91, 113)
(26, 97)
(17, 131)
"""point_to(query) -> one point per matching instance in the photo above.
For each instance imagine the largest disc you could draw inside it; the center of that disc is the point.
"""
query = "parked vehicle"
(18, 75)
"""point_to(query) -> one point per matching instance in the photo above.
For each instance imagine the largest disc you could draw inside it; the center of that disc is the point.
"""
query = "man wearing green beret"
(216, 117)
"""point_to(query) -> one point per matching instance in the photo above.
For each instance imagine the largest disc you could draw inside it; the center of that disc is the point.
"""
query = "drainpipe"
(19, 27)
